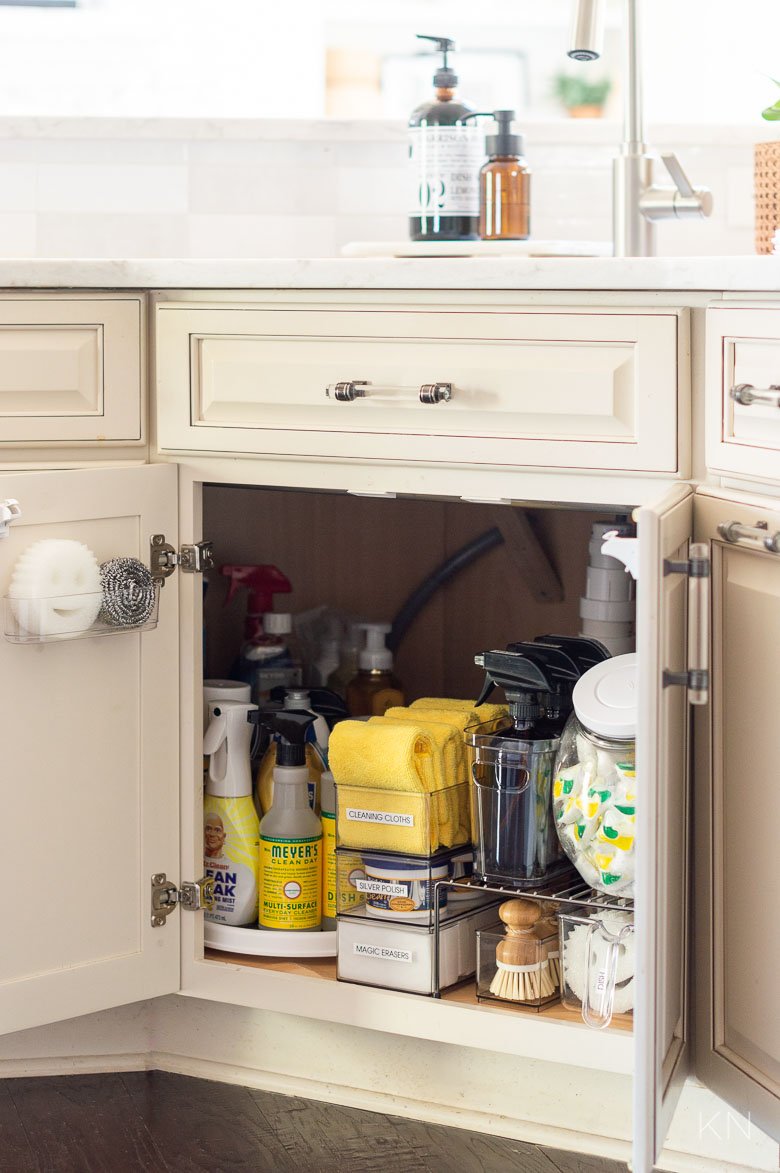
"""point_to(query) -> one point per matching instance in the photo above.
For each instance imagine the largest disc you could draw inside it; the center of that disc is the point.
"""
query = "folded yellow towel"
(447, 729)
(382, 755)
(475, 713)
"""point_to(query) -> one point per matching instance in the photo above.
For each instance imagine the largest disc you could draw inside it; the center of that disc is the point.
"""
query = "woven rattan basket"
(767, 184)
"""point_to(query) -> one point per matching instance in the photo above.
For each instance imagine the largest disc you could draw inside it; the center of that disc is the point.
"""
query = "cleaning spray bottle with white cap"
(375, 689)
(230, 823)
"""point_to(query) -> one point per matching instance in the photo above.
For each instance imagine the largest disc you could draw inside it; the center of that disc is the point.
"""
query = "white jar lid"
(605, 698)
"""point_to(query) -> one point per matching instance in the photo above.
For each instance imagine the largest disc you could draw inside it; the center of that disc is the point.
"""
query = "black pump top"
(444, 78)
(504, 144)
(290, 728)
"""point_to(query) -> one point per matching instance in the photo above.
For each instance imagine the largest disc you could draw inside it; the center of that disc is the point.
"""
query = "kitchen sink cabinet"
(121, 766)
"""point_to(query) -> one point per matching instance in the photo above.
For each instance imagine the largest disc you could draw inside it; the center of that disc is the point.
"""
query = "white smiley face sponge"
(55, 587)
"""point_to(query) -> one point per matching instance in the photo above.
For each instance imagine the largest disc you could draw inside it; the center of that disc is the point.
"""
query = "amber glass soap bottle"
(504, 184)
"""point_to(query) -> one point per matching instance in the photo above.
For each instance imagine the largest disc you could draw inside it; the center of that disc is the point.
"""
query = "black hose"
(443, 573)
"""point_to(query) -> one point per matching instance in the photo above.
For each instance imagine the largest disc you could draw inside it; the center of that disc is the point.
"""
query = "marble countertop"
(730, 273)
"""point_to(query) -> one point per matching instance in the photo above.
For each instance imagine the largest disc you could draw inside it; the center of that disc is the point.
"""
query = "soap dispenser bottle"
(445, 152)
(375, 689)
(504, 184)
(290, 834)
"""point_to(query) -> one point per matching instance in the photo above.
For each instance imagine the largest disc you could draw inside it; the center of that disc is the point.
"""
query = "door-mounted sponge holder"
(59, 592)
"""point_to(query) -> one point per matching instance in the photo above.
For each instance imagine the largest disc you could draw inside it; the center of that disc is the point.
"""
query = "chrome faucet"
(637, 202)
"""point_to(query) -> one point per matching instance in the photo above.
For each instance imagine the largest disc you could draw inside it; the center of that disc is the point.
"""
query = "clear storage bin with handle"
(598, 964)
(594, 791)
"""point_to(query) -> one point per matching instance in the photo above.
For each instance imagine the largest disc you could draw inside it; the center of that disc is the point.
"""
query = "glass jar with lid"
(594, 790)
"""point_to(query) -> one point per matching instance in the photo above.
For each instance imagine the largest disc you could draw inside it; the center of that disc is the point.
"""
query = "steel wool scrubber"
(128, 592)
(55, 588)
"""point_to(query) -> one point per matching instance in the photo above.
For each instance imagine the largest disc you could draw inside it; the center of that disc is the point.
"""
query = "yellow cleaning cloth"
(447, 730)
(382, 755)
(475, 713)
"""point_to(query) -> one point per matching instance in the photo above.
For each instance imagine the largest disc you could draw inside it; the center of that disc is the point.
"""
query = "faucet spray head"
(587, 30)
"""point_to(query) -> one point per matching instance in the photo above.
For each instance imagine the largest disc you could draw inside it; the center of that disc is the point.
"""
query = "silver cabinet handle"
(746, 393)
(348, 392)
(696, 678)
(755, 536)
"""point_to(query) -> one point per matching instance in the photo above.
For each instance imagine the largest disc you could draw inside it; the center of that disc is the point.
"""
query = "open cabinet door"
(737, 924)
(90, 765)
(661, 906)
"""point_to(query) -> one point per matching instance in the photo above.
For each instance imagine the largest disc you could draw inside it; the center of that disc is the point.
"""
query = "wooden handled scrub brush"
(523, 971)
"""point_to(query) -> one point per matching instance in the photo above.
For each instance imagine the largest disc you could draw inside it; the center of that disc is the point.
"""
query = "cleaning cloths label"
(391, 818)
(328, 819)
(382, 952)
(230, 835)
(444, 164)
(381, 886)
(290, 883)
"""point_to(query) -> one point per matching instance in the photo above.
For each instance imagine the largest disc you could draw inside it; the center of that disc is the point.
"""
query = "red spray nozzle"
(262, 582)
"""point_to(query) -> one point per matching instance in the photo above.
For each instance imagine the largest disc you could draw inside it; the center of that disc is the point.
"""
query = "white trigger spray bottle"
(231, 827)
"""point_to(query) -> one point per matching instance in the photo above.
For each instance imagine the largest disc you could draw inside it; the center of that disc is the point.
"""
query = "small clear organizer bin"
(401, 889)
(598, 962)
(411, 958)
(402, 822)
(523, 970)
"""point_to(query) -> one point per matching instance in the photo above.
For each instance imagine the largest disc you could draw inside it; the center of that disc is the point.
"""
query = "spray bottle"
(230, 823)
(326, 708)
(290, 834)
(375, 689)
(260, 647)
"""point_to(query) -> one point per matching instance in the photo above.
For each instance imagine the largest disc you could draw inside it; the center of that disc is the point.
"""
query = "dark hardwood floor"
(158, 1122)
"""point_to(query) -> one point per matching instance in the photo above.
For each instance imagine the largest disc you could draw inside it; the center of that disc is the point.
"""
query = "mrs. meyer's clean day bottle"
(446, 153)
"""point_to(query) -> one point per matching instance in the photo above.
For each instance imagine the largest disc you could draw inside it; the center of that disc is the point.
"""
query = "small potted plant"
(581, 98)
(767, 185)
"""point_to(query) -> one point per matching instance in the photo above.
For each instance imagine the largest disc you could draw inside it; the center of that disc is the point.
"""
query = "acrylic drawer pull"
(746, 393)
(348, 392)
(756, 536)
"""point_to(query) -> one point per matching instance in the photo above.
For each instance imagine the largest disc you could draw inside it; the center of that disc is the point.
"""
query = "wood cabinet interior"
(364, 556)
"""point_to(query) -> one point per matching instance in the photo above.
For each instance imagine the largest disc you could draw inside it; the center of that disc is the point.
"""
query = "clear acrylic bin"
(50, 620)
(598, 963)
(515, 841)
(402, 957)
(524, 972)
(401, 888)
(402, 822)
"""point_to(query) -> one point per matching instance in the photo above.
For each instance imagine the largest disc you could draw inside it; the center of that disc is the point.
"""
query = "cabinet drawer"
(743, 354)
(583, 389)
(70, 371)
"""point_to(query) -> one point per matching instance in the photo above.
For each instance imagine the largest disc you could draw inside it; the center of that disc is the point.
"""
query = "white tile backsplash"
(211, 188)
(88, 187)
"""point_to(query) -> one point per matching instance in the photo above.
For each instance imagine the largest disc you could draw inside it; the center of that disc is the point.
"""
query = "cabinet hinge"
(163, 558)
(695, 679)
(191, 896)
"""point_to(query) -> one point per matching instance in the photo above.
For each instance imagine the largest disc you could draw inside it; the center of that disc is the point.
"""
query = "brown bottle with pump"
(504, 184)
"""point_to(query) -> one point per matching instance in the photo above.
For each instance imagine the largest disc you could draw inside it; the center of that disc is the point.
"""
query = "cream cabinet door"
(71, 370)
(90, 767)
(493, 385)
(743, 391)
(661, 905)
(737, 924)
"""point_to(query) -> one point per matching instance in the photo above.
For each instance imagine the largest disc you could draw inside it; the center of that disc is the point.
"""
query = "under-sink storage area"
(524, 574)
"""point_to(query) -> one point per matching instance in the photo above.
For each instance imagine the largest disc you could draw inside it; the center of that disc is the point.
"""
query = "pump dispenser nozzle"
(444, 78)
(375, 654)
(504, 143)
